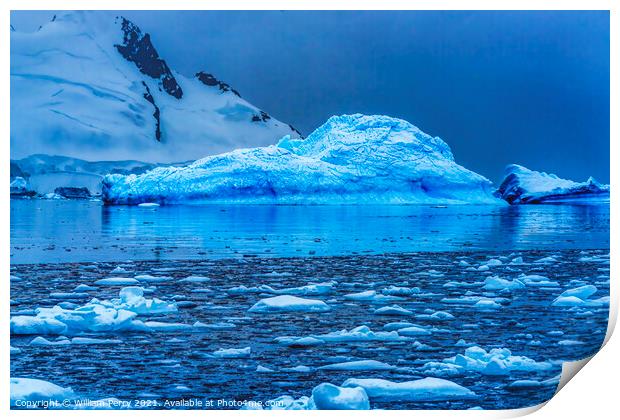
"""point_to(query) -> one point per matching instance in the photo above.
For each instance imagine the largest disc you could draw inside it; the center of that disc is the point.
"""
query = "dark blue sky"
(498, 87)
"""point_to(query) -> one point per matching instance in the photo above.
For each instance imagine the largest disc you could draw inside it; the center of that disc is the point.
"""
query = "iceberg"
(524, 186)
(351, 159)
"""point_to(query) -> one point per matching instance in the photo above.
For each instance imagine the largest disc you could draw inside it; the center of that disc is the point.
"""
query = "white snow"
(77, 87)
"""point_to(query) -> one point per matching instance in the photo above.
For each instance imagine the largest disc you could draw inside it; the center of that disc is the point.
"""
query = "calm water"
(58, 245)
(55, 231)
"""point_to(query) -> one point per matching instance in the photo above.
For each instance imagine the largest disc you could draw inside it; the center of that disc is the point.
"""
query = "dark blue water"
(54, 231)
(56, 246)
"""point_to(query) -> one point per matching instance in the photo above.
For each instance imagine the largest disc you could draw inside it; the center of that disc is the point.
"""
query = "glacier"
(350, 159)
(525, 186)
(90, 95)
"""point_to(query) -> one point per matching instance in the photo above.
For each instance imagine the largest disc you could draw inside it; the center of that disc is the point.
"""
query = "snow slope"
(92, 86)
(349, 159)
(524, 186)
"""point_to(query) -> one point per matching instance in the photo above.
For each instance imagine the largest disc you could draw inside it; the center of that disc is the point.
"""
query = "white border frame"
(593, 394)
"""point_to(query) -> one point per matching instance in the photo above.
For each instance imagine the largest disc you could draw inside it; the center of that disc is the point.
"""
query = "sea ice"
(427, 389)
(28, 389)
(288, 303)
(331, 397)
(232, 353)
(359, 365)
(498, 361)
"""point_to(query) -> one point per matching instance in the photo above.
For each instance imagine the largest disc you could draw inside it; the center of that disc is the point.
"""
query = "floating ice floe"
(497, 283)
(372, 297)
(233, 353)
(400, 291)
(427, 389)
(498, 361)
(436, 316)
(84, 288)
(312, 289)
(36, 390)
(152, 279)
(537, 280)
(148, 205)
(413, 331)
(392, 310)
(349, 159)
(96, 316)
(331, 397)
(359, 365)
(15, 350)
(546, 260)
(578, 297)
(361, 333)
(117, 281)
(119, 270)
(288, 303)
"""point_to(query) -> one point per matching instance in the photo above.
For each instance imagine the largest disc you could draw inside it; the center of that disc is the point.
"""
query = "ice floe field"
(407, 330)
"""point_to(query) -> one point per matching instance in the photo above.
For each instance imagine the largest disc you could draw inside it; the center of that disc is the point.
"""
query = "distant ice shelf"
(351, 159)
(524, 186)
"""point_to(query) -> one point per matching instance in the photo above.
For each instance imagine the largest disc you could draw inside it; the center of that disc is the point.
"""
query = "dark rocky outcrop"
(210, 80)
(262, 116)
(149, 97)
(138, 49)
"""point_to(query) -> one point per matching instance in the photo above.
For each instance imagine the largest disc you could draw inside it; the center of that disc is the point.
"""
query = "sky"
(500, 87)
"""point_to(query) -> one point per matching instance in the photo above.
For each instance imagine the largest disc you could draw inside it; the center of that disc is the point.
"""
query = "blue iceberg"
(351, 159)
(524, 186)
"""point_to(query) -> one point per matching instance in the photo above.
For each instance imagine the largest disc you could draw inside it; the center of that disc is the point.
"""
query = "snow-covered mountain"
(91, 85)
(524, 186)
(350, 159)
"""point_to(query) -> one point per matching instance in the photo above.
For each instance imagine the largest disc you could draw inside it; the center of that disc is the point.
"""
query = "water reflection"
(55, 231)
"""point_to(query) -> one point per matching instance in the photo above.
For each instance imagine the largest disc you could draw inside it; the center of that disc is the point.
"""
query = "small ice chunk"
(288, 303)
(93, 341)
(84, 288)
(359, 365)
(28, 389)
(392, 310)
(413, 331)
(152, 279)
(148, 205)
(15, 350)
(232, 353)
(498, 283)
(331, 397)
(119, 270)
(583, 292)
(40, 341)
(117, 281)
(524, 384)
(427, 389)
